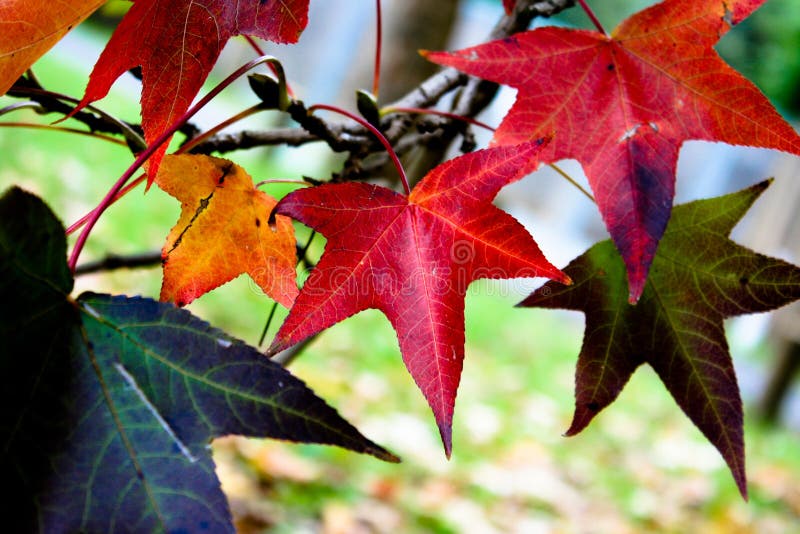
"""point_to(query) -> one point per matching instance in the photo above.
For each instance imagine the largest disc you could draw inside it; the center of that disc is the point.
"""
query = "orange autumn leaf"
(222, 232)
(29, 28)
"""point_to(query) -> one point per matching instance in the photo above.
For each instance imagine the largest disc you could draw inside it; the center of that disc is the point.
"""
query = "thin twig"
(571, 180)
(117, 261)
(64, 129)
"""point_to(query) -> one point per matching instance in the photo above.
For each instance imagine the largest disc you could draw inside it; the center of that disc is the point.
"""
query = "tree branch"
(475, 96)
(115, 261)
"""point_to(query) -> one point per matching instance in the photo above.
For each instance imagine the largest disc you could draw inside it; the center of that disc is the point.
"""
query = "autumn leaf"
(108, 404)
(29, 28)
(623, 104)
(413, 258)
(177, 43)
(698, 278)
(508, 5)
(222, 232)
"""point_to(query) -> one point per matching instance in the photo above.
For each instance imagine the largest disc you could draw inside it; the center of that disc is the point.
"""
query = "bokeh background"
(640, 467)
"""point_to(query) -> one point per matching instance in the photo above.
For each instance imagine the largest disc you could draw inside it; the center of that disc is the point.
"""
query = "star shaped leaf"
(413, 258)
(699, 277)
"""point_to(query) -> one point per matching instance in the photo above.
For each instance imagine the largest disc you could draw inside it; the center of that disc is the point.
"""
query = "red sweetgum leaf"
(177, 43)
(698, 278)
(413, 258)
(222, 232)
(29, 28)
(623, 104)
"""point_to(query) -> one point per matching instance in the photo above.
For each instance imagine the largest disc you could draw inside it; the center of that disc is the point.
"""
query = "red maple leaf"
(413, 258)
(177, 43)
(623, 104)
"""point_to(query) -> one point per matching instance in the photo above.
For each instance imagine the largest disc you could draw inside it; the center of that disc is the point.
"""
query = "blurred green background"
(640, 467)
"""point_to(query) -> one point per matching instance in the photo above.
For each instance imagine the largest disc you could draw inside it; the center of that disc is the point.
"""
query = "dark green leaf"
(36, 325)
(698, 278)
(109, 404)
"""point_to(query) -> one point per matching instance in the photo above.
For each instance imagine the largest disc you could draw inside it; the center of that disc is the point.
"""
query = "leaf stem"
(377, 133)
(189, 145)
(64, 129)
(571, 180)
(183, 149)
(124, 191)
(376, 77)
(592, 16)
(272, 311)
(254, 45)
(95, 214)
(272, 67)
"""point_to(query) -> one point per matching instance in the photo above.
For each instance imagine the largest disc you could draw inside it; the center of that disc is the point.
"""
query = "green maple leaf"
(699, 277)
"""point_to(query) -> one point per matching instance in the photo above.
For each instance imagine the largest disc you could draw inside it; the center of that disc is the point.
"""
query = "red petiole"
(377, 133)
(376, 77)
(592, 16)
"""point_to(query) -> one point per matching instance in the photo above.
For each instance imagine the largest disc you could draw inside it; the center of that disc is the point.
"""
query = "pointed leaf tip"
(446, 433)
(584, 413)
